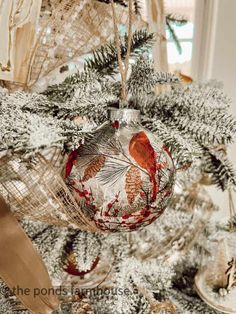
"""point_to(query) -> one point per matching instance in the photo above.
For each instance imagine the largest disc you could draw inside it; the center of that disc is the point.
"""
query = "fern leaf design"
(133, 184)
(94, 167)
(112, 172)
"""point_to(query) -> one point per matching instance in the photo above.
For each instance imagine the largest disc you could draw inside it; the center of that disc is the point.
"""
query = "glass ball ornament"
(215, 281)
(123, 176)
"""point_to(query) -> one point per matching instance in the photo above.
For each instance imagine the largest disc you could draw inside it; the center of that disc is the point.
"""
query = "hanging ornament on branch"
(77, 263)
(122, 179)
(216, 280)
(72, 267)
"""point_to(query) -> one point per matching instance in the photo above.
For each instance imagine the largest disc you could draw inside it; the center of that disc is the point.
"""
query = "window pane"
(180, 51)
(175, 57)
(182, 32)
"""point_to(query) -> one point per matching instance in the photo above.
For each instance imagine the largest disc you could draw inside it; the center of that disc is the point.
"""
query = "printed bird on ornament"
(143, 153)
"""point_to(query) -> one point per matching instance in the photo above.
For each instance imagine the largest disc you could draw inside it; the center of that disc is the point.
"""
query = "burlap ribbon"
(22, 268)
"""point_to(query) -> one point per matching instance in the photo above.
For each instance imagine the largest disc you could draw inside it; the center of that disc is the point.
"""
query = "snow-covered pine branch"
(144, 78)
(220, 168)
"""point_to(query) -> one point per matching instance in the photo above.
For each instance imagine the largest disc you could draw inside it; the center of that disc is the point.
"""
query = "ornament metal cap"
(124, 115)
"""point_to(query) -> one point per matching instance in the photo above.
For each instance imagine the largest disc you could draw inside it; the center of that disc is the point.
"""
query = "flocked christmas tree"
(146, 271)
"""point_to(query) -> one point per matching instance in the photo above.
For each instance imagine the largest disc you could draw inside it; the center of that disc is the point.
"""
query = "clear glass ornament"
(215, 282)
(123, 177)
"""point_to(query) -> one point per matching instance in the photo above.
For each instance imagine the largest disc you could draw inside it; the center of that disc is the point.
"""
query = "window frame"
(205, 23)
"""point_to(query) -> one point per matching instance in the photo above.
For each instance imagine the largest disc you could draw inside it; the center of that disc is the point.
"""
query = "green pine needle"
(104, 59)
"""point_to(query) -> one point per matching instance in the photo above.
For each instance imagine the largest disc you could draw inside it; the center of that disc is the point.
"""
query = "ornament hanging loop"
(123, 68)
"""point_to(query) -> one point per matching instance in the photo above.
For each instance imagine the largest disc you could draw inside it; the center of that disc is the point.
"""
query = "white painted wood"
(204, 38)
(5, 40)
(156, 24)
(214, 58)
(18, 22)
(223, 69)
